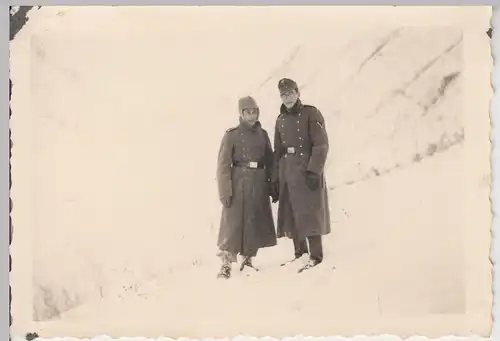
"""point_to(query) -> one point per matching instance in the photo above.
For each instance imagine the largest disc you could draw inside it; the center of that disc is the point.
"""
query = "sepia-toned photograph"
(210, 172)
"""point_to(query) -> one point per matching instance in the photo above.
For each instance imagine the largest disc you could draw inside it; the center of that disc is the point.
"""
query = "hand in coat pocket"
(226, 201)
(312, 180)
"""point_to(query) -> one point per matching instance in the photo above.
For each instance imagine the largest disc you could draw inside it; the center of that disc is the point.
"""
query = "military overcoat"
(247, 224)
(300, 145)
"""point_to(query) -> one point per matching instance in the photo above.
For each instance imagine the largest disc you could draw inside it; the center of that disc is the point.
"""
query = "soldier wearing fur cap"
(301, 148)
(244, 167)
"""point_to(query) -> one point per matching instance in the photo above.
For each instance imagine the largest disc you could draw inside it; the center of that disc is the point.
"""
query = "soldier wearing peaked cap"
(301, 149)
(244, 169)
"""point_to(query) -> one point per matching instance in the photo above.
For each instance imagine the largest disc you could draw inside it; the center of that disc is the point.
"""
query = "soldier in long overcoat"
(301, 149)
(244, 169)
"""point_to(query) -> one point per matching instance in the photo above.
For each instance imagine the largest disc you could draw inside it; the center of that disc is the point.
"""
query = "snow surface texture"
(122, 152)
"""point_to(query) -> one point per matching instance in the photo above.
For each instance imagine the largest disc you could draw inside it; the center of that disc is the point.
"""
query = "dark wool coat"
(302, 212)
(247, 224)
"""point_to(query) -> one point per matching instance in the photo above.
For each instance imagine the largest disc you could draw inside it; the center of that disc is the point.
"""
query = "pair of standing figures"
(250, 172)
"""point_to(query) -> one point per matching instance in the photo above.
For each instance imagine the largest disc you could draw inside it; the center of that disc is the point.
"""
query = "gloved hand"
(226, 201)
(312, 180)
(274, 191)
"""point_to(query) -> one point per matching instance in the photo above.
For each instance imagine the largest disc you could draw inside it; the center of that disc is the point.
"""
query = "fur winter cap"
(247, 102)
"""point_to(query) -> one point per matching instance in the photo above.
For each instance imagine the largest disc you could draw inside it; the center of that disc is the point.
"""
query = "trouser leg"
(316, 248)
(316, 252)
(300, 247)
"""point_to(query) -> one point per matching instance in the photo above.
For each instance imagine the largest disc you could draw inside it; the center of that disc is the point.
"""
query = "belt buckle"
(291, 150)
(253, 164)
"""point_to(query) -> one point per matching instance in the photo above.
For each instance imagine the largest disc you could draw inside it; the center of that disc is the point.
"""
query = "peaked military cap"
(286, 84)
(247, 102)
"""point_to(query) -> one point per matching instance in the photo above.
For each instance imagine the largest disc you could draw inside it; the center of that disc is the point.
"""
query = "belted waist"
(295, 151)
(292, 150)
(251, 164)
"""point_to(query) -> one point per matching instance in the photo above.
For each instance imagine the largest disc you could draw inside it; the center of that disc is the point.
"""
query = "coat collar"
(294, 110)
(243, 125)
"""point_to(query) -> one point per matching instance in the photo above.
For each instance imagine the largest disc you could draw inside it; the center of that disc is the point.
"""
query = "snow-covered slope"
(122, 151)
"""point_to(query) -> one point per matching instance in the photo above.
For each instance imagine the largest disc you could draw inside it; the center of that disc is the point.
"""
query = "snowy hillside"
(122, 142)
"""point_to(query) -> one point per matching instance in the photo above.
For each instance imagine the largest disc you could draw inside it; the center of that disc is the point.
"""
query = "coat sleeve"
(319, 139)
(268, 157)
(224, 167)
(278, 152)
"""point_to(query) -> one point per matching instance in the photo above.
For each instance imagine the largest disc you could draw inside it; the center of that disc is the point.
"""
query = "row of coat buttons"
(244, 148)
(282, 126)
(300, 138)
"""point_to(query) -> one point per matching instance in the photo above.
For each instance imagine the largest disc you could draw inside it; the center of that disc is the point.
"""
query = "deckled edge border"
(494, 254)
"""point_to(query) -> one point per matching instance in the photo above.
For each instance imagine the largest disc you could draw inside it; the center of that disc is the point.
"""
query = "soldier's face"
(250, 115)
(289, 98)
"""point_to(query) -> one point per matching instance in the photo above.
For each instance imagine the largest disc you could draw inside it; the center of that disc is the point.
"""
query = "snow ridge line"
(441, 146)
(418, 74)
(385, 41)
(284, 64)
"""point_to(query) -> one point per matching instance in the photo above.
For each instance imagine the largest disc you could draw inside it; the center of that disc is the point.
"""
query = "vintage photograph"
(209, 172)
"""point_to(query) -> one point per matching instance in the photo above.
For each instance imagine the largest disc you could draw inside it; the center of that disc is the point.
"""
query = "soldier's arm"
(278, 152)
(268, 157)
(224, 167)
(320, 144)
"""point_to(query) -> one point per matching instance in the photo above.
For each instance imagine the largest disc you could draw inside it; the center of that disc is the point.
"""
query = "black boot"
(297, 256)
(225, 271)
(310, 264)
(248, 262)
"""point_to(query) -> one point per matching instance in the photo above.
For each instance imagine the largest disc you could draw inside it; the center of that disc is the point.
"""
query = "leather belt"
(253, 165)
